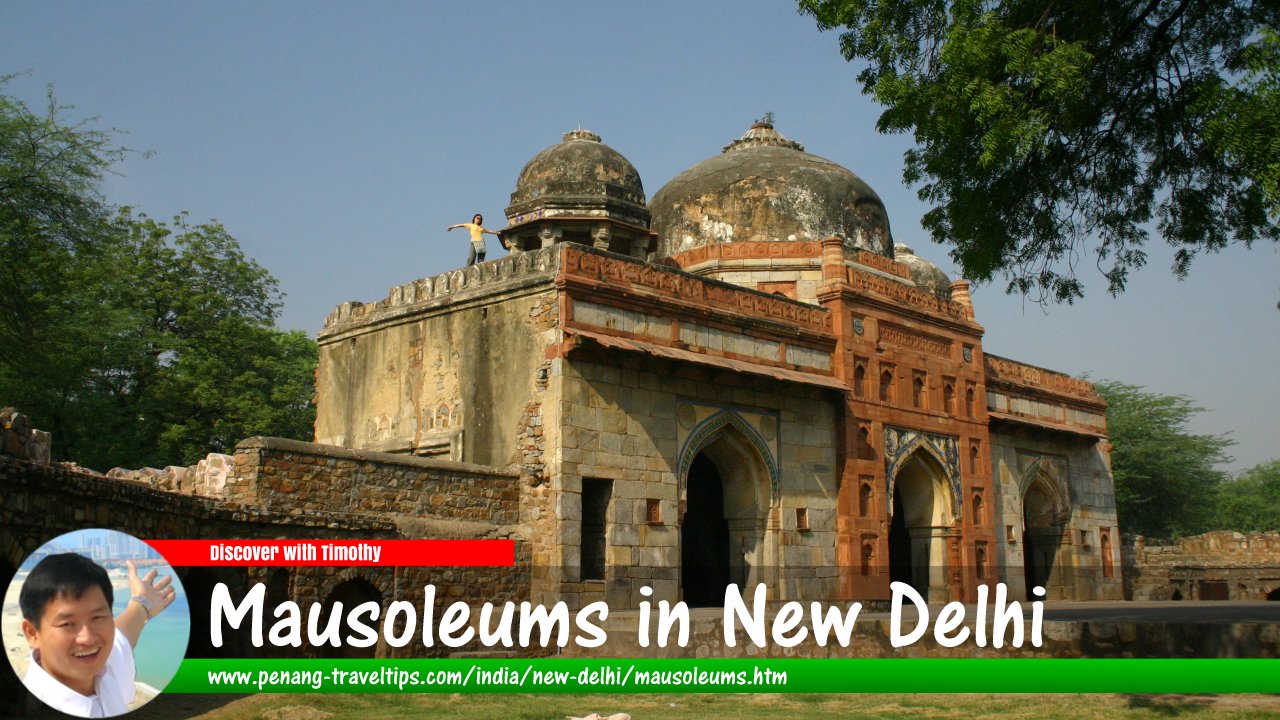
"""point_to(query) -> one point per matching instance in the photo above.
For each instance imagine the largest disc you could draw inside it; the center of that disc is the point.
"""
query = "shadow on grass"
(1171, 705)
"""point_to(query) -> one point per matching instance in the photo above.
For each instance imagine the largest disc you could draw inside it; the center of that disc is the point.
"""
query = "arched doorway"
(1274, 594)
(921, 517)
(349, 594)
(704, 551)
(1041, 537)
(277, 588)
(727, 496)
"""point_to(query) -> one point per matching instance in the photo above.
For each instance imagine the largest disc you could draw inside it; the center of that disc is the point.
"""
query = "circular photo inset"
(96, 623)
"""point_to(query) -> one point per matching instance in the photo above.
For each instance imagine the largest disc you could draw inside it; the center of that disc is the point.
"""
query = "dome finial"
(763, 134)
(581, 134)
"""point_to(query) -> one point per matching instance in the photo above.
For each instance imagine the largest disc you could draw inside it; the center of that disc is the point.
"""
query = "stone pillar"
(833, 268)
(960, 296)
(600, 237)
(549, 236)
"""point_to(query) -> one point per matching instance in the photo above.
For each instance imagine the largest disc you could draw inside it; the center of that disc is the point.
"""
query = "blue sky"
(338, 140)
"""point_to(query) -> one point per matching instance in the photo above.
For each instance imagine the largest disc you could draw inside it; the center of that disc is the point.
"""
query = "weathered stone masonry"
(1213, 566)
(286, 489)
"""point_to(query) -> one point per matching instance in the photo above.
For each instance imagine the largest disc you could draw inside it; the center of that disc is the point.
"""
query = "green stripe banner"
(890, 675)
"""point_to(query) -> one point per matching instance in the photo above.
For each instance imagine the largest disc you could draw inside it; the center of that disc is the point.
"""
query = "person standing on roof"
(477, 238)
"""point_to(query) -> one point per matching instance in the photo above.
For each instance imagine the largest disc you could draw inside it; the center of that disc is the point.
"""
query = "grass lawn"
(679, 707)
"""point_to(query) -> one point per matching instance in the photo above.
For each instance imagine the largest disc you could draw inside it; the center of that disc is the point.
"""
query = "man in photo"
(81, 657)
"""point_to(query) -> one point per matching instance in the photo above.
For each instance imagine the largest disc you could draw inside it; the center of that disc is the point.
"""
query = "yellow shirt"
(477, 233)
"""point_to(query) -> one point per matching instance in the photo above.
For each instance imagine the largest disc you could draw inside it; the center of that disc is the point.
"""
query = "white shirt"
(113, 688)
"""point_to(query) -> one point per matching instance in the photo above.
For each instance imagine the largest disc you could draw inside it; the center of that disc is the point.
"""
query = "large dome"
(580, 177)
(764, 187)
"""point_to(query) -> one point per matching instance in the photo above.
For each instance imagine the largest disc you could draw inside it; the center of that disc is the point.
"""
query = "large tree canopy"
(1165, 479)
(135, 342)
(1050, 133)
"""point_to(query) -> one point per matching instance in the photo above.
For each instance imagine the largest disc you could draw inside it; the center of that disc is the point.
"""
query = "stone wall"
(444, 366)
(1065, 484)
(41, 502)
(18, 439)
(285, 489)
(633, 420)
(294, 477)
(1220, 565)
(207, 477)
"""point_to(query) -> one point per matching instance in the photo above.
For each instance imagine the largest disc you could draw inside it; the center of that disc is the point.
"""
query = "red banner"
(432, 553)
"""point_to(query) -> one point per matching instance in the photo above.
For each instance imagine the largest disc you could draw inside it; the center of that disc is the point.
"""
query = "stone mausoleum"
(742, 379)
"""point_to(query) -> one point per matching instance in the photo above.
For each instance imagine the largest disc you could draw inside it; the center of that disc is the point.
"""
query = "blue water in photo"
(163, 641)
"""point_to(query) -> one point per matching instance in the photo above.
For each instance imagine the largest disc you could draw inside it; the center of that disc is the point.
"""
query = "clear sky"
(336, 141)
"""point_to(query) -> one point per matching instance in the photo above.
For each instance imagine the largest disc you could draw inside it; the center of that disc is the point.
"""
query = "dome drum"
(583, 191)
(577, 199)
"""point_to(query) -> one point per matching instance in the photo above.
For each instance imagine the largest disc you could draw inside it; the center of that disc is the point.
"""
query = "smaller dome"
(579, 177)
(925, 274)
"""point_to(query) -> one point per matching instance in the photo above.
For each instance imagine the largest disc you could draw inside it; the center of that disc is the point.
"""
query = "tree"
(135, 342)
(1251, 501)
(1049, 131)
(1165, 479)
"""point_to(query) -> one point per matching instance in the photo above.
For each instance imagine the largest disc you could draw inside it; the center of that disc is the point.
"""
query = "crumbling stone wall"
(281, 489)
(293, 477)
(445, 366)
(19, 439)
(1219, 565)
(42, 502)
(207, 477)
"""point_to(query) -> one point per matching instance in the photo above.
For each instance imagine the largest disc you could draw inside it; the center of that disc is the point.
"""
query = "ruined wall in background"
(1219, 565)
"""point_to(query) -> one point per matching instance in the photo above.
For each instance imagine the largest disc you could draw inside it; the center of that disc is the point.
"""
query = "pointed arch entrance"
(1045, 514)
(922, 517)
(727, 489)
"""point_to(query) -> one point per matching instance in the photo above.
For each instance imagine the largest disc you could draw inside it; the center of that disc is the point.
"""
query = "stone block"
(615, 422)
(621, 556)
(625, 535)
(611, 443)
